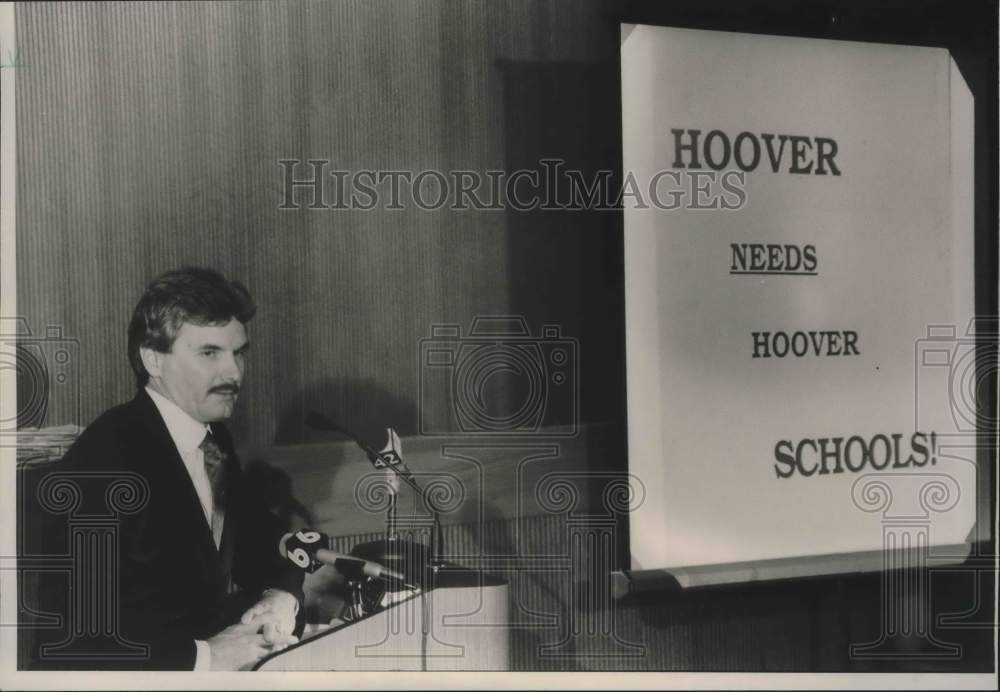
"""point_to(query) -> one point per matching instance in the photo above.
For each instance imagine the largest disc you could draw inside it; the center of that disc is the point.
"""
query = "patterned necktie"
(216, 470)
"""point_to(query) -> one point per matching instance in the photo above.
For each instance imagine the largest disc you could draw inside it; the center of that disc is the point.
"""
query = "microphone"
(393, 451)
(318, 421)
(303, 548)
(379, 460)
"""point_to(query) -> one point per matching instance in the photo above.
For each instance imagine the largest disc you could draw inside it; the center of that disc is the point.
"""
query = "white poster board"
(798, 238)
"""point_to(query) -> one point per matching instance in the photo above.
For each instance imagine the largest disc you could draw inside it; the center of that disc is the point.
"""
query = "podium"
(459, 624)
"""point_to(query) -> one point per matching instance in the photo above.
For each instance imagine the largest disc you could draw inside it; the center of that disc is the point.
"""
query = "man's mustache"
(225, 389)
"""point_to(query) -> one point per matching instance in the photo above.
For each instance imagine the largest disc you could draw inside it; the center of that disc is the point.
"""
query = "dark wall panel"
(150, 136)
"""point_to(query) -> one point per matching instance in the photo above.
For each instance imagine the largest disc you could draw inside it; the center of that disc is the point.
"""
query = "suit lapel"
(179, 487)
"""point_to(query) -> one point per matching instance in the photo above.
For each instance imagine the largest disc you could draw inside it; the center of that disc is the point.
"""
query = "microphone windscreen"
(301, 548)
(317, 421)
(369, 433)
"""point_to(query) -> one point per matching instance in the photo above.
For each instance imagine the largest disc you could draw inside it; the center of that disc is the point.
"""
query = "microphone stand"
(390, 517)
(437, 535)
(319, 421)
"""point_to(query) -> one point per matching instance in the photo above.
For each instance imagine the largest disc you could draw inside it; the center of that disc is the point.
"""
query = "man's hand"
(274, 616)
(237, 647)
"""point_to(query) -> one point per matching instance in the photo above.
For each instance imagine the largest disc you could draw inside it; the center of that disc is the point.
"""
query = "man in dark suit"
(200, 582)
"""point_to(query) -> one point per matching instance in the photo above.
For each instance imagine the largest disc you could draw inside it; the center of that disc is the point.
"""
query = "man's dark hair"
(192, 295)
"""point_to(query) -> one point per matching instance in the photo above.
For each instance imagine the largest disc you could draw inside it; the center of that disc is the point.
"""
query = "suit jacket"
(172, 584)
